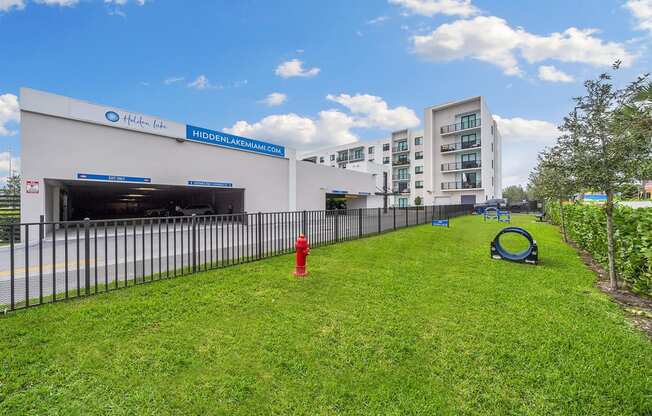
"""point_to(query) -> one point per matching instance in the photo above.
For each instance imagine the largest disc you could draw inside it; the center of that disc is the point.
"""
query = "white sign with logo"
(126, 119)
(31, 186)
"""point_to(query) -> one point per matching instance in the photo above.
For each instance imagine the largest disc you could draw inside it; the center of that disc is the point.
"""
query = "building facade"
(84, 160)
(455, 159)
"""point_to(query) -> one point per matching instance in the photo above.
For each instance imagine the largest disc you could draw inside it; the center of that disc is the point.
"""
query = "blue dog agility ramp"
(530, 255)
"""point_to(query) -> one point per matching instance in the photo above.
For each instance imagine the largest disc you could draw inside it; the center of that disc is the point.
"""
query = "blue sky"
(310, 73)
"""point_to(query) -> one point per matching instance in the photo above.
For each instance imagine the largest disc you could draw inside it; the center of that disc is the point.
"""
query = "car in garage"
(199, 209)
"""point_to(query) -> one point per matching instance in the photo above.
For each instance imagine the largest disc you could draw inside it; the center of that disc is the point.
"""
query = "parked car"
(201, 209)
(157, 212)
(494, 203)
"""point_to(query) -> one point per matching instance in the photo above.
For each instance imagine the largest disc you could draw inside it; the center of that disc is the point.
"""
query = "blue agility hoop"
(530, 255)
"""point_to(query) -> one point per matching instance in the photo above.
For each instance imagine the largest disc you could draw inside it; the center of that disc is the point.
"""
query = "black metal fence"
(62, 260)
(9, 214)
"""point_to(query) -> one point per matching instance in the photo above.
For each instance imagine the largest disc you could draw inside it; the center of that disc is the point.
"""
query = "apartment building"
(455, 159)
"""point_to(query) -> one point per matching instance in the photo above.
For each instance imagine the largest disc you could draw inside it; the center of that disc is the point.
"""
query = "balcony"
(469, 164)
(399, 162)
(451, 186)
(342, 159)
(400, 148)
(401, 190)
(457, 127)
(460, 146)
(403, 177)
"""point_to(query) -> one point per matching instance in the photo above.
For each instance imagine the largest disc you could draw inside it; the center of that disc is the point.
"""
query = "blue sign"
(217, 138)
(335, 191)
(595, 197)
(364, 193)
(208, 183)
(112, 178)
(440, 223)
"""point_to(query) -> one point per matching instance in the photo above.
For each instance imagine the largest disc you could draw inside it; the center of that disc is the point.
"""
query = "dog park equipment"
(530, 255)
(490, 213)
(504, 216)
(303, 249)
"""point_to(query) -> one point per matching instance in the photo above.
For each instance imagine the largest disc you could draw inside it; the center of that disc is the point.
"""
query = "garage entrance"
(71, 200)
(341, 201)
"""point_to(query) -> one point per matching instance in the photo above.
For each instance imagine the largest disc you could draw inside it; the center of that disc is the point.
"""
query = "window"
(492, 147)
(386, 160)
(418, 184)
(358, 153)
(492, 163)
(401, 146)
(418, 169)
(418, 155)
(468, 121)
(469, 140)
(402, 202)
(492, 130)
(418, 140)
(321, 159)
(402, 174)
(386, 147)
(370, 150)
(332, 158)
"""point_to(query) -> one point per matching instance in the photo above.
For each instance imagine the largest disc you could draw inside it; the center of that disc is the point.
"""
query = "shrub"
(586, 226)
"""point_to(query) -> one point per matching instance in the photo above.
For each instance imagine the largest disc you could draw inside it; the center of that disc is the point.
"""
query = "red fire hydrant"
(303, 249)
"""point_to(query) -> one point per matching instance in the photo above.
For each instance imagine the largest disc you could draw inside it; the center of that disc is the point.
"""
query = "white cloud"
(9, 112)
(6, 5)
(642, 12)
(63, 3)
(462, 8)
(376, 112)
(523, 139)
(330, 127)
(492, 40)
(123, 2)
(172, 80)
(274, 99)
(377, 20)
(202, 83)
(294, 68)
(552, 74)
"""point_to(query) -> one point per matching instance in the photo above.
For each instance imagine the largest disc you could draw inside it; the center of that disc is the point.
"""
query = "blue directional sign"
(440, 223)
(111, 178)
(209, 183)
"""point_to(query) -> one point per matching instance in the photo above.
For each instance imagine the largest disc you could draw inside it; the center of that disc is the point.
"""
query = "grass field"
(420, 321)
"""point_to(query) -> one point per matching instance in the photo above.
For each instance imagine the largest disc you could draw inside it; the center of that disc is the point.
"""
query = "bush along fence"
(61, 260)
(586, 226)
(9, 214)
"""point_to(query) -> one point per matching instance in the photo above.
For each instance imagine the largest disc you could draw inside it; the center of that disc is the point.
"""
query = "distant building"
(457, 158)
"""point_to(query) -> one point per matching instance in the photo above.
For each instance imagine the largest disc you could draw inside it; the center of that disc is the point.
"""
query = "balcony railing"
(398, 190)
(399, 162)
(461, 185)
(460, 146)
(355, 158)
(342, 158)
(465, 125)
(403, 177)
(468, 164)
(399, 149)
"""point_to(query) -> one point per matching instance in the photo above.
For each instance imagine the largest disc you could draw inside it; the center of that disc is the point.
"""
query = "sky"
(314, 73)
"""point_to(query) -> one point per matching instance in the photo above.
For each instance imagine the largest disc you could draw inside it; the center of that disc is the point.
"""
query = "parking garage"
(83, 160)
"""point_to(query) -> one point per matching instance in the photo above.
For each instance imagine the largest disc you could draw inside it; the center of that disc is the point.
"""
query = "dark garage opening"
(106, 200)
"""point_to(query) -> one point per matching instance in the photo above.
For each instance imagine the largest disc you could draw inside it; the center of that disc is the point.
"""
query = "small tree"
(417, 201)
(609, 139)
(515, 193)
(553, 179)
(13, 185)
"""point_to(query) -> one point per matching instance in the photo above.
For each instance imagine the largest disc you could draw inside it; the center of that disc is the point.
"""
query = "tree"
(553, 179)
(417, 201)
(515, 193)
(608, 137)
(629, 191)
(13, 185)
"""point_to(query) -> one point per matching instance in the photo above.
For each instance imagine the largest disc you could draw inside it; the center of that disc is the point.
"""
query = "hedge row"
(586, 226)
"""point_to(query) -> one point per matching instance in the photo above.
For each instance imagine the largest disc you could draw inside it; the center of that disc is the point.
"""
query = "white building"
(86, 160)
(455, 159)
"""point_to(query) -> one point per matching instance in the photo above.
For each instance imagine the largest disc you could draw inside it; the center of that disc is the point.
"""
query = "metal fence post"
(87, 256)
(394, 215)
(337, 225)
(379, 226)
(359, 222)
(259, 237)
(303, 223)
(407, 218)
(11, 264)
(194, 242)
(40, 258)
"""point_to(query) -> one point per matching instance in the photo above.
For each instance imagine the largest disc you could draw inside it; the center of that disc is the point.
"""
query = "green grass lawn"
(420, 321)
